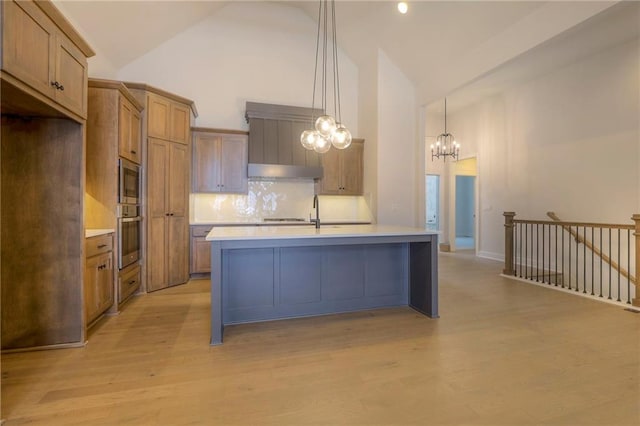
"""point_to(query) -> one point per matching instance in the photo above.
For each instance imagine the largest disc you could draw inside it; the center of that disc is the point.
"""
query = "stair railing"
(555, 253)
(596, 250)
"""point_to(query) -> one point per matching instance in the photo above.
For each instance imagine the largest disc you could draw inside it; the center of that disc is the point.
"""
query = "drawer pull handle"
(101, 246)
(57, 85)
(133, 152)
(131, 282)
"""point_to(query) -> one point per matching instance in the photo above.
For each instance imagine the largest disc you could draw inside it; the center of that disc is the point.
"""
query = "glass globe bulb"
(403, 7)
(322, 145)
(341, 137)
(308, 139)
(325, 125)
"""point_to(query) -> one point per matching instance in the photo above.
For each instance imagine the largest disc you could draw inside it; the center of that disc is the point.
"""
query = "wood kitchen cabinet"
(42, 177)
(43, 55)
(219, 161)
(166, 177)
(113, 132)
(168, 119)
(98, 277)
(129, 130)
(343, 170)
(168, 219)
(200, 250)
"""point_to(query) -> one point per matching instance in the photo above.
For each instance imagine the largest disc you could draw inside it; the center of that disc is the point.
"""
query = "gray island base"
(268, 273)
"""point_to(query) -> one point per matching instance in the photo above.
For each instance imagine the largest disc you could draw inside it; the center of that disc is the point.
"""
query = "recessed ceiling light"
(403, 7)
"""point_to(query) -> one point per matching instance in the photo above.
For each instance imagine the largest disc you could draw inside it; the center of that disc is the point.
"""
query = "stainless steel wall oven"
(129, 182)
(129, 231)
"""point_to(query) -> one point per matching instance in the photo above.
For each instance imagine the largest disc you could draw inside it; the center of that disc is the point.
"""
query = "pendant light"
(446, 145)
(328, 130)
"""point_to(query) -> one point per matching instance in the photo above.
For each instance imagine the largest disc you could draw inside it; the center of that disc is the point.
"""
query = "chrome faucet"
(316, 205)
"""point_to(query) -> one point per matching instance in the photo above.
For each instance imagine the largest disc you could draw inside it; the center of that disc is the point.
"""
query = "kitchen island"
(267, 273)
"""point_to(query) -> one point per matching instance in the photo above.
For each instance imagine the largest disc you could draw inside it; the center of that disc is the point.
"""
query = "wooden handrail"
(590, 246)
(580, 224)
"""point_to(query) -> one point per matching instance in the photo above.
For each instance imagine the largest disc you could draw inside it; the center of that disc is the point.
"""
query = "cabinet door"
(233, 163)
(352, 169)
(158, 117)
(157, 216)
(178, 225)
(178, 185)
(331, 179)
(28, 40)
(180, 116)
(178, 253)
(91, 278)
(98, 294)
(200, 255)
(71, 74)
(124, 129)
(129, 131)
(135, 143)
(206, 164)
(104, 285)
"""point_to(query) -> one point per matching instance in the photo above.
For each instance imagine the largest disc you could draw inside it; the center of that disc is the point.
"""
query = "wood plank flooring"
(502, 353)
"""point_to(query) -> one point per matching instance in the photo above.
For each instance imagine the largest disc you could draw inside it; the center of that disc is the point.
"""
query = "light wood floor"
(503, 352)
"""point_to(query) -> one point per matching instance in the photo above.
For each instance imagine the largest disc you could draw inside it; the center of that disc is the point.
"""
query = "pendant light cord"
(324, 60)
(445, 115)
(336, 73)
(315, 68)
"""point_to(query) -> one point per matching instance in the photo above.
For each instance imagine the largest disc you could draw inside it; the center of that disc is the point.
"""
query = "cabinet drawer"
(128, 283)
(99, 244)
(200, 231)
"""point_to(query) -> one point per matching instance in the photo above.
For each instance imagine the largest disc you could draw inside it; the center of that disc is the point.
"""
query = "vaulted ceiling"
(439, 45)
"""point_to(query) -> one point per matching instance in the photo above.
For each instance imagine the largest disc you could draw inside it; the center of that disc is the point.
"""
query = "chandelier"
(446, 145)
(328, 130)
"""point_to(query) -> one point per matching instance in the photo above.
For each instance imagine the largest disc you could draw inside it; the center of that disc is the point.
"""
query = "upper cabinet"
(343, 170)
(219, 161)
(168, 119)
(129, 129)
(113, 131)
(43, 56)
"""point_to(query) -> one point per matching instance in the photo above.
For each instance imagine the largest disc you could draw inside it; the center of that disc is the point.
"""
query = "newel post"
(508, 243)
(636, 219)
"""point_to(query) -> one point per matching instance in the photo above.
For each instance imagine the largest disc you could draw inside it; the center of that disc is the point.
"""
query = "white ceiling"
(439, 45)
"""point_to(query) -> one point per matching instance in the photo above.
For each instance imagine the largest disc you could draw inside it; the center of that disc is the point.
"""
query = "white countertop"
(88, 233)
(325, 231)
(278, 223)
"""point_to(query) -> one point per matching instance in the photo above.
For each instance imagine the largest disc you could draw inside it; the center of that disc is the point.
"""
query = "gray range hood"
(274, 142)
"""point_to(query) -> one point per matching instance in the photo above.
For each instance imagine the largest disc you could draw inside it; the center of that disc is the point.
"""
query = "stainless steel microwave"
(129, 182)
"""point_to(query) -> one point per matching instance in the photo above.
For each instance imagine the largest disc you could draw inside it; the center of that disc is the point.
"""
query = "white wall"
(567, 141)
(397, 148)
(368, 117)
(258, 51)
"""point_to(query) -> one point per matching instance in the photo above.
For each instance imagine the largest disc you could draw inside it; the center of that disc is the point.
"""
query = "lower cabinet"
(200, 250)
(128, 282)
(98, 282)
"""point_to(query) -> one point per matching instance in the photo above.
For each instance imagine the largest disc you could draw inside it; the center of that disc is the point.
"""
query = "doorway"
(465, 212)
(432, 199)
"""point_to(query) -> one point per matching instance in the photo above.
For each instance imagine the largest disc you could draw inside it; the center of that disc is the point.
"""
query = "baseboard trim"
(573, 292)
(46, 348)
(490, 255)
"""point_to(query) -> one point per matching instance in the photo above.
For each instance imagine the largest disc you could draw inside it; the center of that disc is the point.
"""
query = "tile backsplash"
(275, 199)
